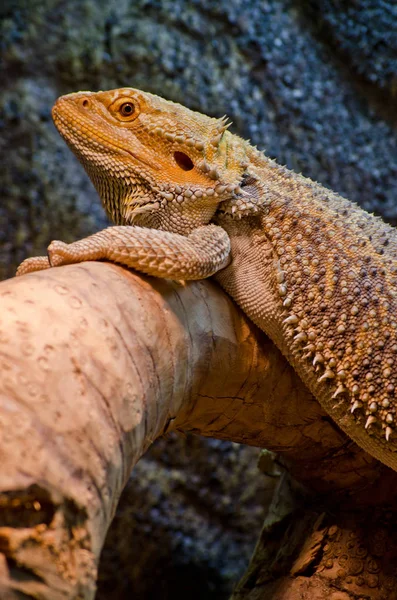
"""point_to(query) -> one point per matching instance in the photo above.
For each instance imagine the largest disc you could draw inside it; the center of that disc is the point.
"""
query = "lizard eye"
(127, 109)
(183, 161)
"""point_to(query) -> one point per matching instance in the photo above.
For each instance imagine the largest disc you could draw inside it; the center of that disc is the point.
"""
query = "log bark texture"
(96, 363)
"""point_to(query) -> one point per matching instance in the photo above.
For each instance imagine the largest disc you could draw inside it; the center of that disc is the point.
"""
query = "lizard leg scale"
(154, 252)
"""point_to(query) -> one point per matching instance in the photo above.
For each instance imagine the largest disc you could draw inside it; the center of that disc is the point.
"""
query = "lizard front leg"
(160, 253)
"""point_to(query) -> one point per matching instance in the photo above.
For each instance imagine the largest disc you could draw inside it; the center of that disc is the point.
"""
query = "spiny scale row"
(348, 332)
(373, 411)
(176, 193)
(238, 203)
(180, 137)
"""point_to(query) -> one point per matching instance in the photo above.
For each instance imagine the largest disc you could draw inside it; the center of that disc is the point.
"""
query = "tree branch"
(96, 363)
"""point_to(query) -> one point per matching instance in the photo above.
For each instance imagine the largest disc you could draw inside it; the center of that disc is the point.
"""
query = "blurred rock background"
(314, 83)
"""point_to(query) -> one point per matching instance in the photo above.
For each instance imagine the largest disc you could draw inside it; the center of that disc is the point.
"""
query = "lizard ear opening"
(183, 161)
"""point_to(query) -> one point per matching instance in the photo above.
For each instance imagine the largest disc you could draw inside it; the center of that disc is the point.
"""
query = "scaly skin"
(311, 269)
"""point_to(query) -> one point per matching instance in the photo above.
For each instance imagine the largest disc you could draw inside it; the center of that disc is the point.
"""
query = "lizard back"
(319, 276)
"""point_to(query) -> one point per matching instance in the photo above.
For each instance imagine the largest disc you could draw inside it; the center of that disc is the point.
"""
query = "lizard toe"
(58, 253)
(30, 265)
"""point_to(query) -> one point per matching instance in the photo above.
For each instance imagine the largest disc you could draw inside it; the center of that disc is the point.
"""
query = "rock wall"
(314, 83)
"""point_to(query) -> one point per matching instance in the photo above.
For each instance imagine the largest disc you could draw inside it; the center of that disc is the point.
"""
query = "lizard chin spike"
(370, 421)
(339, 390)
(131, 213)
(318, 359)
(355, 406)
(388, 433)
(291, 320)
(300, 338)
(327, 375)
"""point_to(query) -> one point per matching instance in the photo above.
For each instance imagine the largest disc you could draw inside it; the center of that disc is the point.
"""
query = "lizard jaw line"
(71, 134)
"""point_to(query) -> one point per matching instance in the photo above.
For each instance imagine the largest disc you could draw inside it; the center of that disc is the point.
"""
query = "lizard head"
(154, 163)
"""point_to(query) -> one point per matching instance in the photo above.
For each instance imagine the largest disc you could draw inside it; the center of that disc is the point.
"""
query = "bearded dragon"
(191, 200)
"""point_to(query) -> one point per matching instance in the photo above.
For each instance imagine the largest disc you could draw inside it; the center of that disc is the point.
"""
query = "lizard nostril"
(85, 103)
(183, 161)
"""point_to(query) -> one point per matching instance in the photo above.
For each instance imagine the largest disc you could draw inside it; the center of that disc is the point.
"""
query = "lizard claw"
(57, 254)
